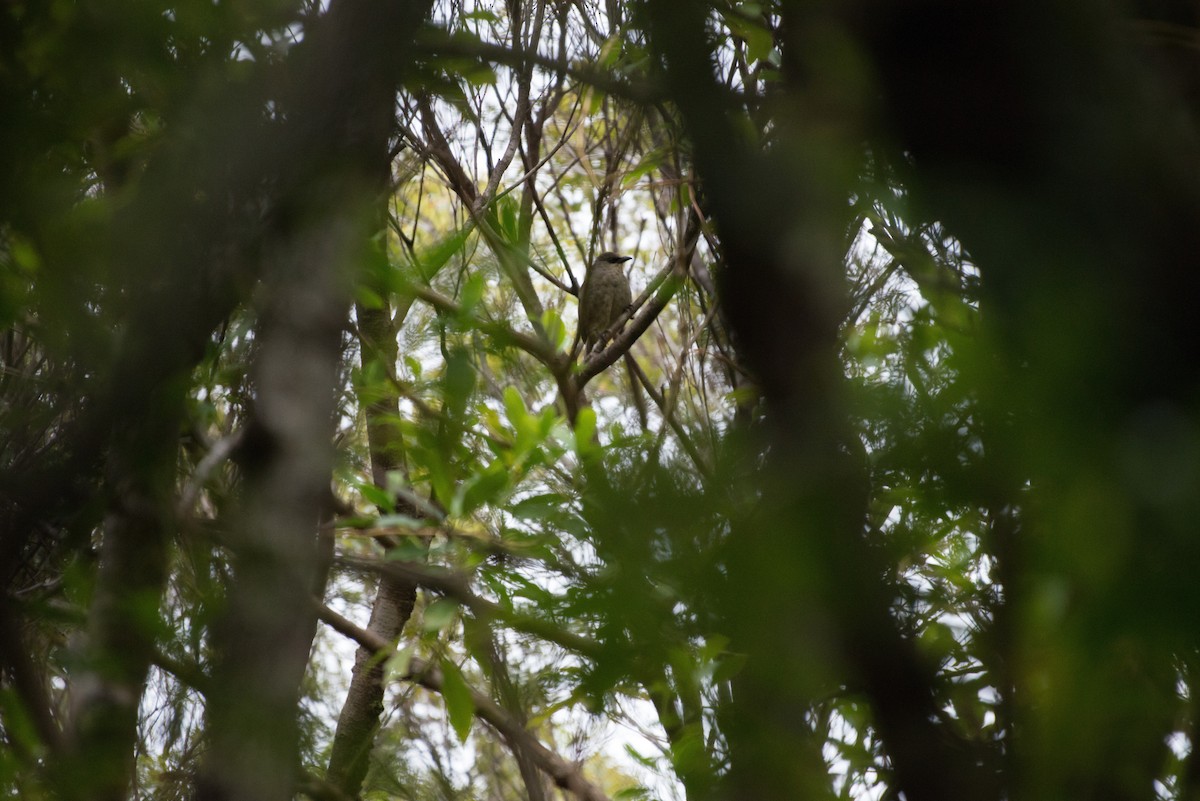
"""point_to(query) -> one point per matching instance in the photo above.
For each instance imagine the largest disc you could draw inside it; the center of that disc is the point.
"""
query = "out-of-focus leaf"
(484, 487)
(460, 709)
(398, 664)
(538, 507)
(431, 261)
(380, 498)
(439, 614)
(472, 293)
(585, 432)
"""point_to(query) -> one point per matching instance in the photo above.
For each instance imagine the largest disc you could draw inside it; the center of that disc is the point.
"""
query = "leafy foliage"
(885, 488)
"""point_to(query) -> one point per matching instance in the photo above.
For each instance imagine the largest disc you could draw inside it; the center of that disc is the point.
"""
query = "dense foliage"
(885, 486)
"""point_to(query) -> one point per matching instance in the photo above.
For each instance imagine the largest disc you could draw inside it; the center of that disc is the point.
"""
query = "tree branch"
(534, 346)
(457, 586)
(662, 288)
(565, 775)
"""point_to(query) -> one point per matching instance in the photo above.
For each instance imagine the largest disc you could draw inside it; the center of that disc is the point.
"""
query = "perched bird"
(603, 296)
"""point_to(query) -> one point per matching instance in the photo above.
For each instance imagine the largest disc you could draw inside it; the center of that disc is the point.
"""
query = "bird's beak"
(625, 258)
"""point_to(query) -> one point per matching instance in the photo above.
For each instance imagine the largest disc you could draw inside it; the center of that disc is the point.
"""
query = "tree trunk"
(361, 711)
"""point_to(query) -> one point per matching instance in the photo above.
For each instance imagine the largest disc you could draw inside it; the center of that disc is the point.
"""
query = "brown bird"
(603, 297)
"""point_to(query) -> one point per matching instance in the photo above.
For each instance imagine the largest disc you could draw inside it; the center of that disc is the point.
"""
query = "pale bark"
(358, 721)
(341, 119)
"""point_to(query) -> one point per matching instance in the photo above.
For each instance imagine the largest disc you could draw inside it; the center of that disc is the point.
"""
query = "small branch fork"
(566, 775)
(640, 315)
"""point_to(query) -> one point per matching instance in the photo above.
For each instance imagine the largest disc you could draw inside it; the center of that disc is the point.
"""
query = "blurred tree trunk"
(174, 290)
(341, 117)
(802, 564)
(1070, 170)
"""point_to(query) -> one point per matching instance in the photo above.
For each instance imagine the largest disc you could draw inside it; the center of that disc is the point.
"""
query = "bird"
(605, 294)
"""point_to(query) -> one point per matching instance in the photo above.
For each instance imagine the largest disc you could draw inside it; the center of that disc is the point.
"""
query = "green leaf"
(585, 432)
(457, 697)
(458, 382)
(538, 507)
(19, 727)
(382, 499)
(23, 253)
(414, 366)
(486, 486)
(688, 751)
(368, 297)
(483, 16)
(514, 406)
(491, 421)
(638, 757)
(472, 293)
(398, 664)
(527, 589)
(479, 75)
(439, 614)
(759, 41)
(728, 666)
(647, 164)
(610, 53)
(507, 217)
(556, 331)
(632, 793)
(408, 549)
(432, 260)
(714, 646)
(594, 99)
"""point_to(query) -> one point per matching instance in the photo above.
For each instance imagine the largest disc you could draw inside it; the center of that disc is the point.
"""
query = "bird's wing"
(585, 316)
(624, 298)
